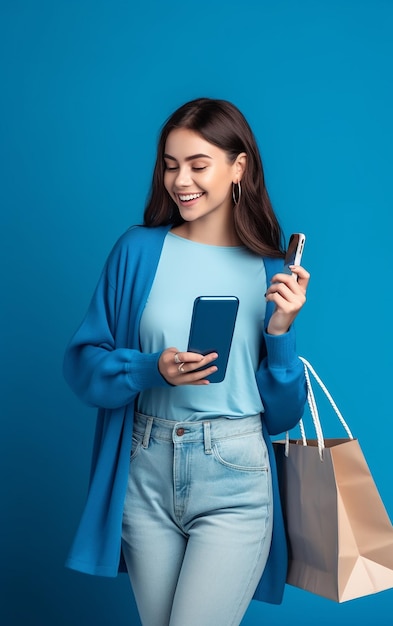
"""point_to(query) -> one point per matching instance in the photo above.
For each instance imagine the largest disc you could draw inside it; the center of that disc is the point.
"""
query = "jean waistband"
(206, 431)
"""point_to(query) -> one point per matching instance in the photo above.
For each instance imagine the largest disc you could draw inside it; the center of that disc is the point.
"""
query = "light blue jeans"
(197, 519)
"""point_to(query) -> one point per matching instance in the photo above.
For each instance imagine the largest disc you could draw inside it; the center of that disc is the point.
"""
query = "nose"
(183, 178)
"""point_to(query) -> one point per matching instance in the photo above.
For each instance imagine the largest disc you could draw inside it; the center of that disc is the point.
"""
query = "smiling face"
(198, 176)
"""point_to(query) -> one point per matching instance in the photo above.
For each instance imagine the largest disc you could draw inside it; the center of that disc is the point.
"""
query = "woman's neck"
(209, 232)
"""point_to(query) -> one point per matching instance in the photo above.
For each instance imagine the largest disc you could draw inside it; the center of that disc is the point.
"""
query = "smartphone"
(294, 253)
(212, 325)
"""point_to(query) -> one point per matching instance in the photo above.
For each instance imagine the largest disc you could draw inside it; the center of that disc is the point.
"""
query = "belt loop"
(207, 437)
(146, 435)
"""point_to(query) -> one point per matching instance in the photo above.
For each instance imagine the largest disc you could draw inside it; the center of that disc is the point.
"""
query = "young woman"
(183, 491)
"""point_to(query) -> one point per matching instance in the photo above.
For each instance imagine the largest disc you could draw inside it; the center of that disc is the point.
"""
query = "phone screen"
(212, 326)
(294, 252)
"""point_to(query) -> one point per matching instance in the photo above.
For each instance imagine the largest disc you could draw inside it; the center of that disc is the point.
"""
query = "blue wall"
(85, 87)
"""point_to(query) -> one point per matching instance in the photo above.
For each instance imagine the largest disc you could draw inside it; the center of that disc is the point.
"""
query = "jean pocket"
(244, 453)
(135, 444)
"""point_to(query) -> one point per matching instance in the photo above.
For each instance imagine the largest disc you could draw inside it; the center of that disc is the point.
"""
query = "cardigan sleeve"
(101, 374)
(281, 383)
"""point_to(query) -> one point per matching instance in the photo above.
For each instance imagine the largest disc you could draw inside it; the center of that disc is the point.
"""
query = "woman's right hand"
(179, 368)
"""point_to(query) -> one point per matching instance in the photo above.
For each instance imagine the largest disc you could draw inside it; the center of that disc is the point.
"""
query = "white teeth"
(192, 196)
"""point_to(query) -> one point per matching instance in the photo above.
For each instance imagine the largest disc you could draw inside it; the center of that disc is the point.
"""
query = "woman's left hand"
(289, 296)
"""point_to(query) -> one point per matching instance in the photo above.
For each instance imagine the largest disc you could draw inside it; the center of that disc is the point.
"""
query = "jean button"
(180, 432)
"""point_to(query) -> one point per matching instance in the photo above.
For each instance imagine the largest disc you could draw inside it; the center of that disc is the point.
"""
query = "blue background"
(85, 87)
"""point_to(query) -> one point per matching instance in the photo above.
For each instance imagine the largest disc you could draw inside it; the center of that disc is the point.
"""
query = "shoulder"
(138, 240)
(272, 266)
(138, 236)
(136, 251)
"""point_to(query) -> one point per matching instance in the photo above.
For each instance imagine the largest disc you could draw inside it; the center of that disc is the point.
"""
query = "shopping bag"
(340, 538)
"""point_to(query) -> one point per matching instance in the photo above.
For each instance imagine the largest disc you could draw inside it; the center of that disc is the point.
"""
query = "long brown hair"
(220, 123)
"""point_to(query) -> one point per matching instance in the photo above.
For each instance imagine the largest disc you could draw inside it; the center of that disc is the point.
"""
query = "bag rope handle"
(315, 418)
(314, 411)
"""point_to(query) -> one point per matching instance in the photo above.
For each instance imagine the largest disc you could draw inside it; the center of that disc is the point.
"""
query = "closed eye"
(173, 168)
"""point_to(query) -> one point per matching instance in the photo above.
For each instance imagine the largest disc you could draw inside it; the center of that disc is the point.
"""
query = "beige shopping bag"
(340, 537)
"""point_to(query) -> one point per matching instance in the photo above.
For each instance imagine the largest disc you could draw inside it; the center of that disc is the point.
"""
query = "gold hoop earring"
(239, 192)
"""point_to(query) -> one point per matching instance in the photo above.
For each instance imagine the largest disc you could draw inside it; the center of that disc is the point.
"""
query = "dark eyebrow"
(190, 158)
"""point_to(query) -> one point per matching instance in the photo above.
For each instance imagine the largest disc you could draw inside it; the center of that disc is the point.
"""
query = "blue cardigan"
(105, 367)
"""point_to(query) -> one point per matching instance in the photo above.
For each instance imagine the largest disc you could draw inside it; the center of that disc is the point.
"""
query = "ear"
(239, 166)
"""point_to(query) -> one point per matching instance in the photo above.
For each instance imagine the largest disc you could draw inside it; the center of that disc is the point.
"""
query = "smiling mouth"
(189, 196)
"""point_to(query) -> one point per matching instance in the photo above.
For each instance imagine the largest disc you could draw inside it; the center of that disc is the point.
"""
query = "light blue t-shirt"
(186, 270)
